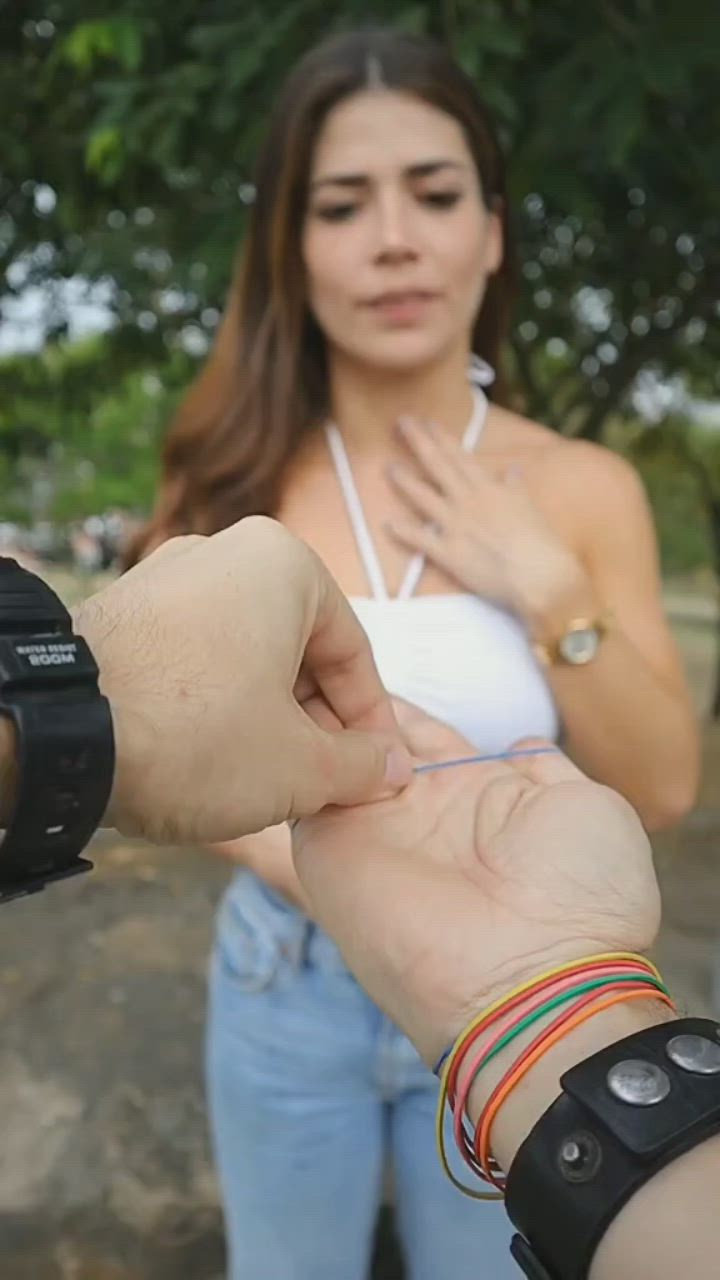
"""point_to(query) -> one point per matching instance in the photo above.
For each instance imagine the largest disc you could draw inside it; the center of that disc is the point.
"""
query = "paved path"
(104, 1165)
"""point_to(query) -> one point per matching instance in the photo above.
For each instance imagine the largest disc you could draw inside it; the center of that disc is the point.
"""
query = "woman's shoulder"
(560, 459)
(584, 489)
(512, 430)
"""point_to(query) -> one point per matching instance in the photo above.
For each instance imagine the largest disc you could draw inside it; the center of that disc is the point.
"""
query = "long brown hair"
(264, 383)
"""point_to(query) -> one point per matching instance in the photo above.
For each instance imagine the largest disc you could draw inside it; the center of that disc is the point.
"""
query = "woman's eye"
(336, 212)
(441, 199)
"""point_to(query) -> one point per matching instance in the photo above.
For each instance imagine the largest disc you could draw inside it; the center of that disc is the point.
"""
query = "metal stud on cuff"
(694, 1053)
(641, 1084)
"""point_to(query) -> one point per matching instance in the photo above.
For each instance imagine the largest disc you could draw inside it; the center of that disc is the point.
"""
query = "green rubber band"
(563, 998)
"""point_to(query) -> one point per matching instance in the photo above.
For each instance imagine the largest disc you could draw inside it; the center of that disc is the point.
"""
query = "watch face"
(580, 645)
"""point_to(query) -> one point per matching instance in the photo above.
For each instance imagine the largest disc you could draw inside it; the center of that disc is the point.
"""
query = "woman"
(373, 302)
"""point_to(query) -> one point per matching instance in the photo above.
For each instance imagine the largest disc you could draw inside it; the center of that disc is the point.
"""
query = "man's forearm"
(670, 1226)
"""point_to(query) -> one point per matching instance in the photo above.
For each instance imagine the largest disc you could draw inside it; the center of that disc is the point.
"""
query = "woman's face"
(397, 242)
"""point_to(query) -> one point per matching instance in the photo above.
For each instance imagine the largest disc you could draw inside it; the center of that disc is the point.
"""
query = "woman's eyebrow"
(423, 169)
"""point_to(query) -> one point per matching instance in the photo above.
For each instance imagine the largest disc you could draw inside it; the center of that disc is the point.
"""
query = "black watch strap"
(623, 1115)
(63, 733)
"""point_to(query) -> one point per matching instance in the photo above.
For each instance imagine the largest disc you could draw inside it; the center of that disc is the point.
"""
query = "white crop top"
(458, 657)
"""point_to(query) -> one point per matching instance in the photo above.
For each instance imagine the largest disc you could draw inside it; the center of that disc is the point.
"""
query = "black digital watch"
(64, 741)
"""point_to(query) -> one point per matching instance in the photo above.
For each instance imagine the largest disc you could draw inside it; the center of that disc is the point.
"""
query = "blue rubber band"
(498, 755)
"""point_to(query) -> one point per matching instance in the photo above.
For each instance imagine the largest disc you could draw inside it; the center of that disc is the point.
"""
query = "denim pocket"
(247, 948)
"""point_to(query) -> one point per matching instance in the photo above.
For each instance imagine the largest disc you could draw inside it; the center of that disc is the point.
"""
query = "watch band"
(527, 1261)
(63, 731)
(623, 1115)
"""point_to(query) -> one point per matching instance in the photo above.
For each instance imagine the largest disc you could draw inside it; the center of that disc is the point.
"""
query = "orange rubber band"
(517, 1073)
(497, 1009)
(551, 1034)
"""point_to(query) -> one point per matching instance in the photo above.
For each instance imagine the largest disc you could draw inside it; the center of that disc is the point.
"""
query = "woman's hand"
(482, 529)
(269, 855)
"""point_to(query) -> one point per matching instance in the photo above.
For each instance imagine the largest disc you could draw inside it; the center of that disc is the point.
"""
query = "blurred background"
(126, 160)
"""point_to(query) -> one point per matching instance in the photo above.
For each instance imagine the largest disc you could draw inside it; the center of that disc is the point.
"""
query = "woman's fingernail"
(406, 424)
(398, 768)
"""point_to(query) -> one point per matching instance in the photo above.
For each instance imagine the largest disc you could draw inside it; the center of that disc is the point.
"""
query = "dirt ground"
(104, 1165)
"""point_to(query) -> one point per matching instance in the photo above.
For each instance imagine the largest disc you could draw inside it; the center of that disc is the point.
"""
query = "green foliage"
(680, 466)
(117, 39)
(680, 516)
(145, 124)
(128, 142)
(77, 438)
(104, 154)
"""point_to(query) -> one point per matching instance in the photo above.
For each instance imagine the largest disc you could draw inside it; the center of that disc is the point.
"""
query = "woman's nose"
(394, 230)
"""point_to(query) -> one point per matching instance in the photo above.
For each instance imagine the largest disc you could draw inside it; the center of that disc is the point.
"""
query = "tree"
(81, 434)
(693, 453)
(129, 141)
(128, 144)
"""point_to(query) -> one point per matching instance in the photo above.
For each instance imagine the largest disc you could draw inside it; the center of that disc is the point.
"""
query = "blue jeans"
(312, 1091)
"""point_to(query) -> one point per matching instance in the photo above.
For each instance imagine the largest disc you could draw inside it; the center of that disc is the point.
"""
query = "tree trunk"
(528, 384)
(598, 414)
(619, 380)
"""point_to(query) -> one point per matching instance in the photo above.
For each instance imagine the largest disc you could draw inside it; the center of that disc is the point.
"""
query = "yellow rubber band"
(558, 971)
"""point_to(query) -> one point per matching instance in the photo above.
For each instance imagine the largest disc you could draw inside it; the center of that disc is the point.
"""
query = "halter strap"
(469, 442)
(480, 375)
(360, 527)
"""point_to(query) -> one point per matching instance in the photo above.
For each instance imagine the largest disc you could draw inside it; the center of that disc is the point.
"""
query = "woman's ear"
(494, 240)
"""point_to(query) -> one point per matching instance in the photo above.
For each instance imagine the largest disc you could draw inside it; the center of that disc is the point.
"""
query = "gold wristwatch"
(578, 644)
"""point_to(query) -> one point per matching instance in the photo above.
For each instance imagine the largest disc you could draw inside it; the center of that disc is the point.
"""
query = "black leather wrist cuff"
(623, 1115)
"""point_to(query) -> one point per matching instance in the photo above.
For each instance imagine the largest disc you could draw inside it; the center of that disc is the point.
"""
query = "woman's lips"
(404, 307)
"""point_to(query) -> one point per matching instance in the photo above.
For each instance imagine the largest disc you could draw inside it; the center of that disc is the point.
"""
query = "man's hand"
(242, 687)
(474, 879)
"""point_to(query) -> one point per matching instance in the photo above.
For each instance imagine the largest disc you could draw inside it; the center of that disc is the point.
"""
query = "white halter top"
(462, 659)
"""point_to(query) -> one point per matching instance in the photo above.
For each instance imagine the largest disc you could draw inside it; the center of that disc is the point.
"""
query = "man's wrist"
(541, 1086)
(91, 621)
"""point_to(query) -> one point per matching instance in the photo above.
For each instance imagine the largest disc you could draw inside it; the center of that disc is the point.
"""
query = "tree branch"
(527, 376)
